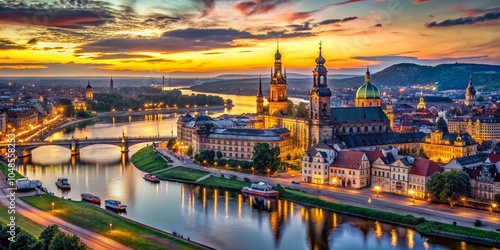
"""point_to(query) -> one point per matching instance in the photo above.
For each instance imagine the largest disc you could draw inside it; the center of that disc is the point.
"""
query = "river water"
(221, 219)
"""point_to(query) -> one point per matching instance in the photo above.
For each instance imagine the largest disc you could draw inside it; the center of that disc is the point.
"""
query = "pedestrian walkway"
(161, 170)
(203, 178)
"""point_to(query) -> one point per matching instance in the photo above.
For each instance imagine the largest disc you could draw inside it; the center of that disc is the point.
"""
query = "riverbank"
(120, 229)
(470, 234)
(5, 170)
(66, 124)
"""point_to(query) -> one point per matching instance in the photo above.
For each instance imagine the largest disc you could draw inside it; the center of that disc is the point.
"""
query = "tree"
(47, 235)
(449, 186)
(219, 155)
(24, 240)
(63, 241)
(264, 157)
(171, 143)
(302, 110)
(497, 198)
(69, 110)
(189, 151)
(480, 98)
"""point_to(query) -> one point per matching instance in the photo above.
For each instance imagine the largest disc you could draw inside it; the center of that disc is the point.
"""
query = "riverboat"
(25, 184)
(114, 204)
(62, 183)
(261, 189)
(91, 198)
(151, 178)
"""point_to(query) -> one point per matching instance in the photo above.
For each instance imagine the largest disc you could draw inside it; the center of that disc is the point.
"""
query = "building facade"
(480, 128)
(350, 169)
(89, 92)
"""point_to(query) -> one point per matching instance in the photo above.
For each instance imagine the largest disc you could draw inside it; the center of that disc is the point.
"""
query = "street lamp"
(52, 206)
(252, 170)
(463, 199)
(204, 162)
(493, 206)
(412, 193)
(377, 188)
(110, 226)
(268, 172)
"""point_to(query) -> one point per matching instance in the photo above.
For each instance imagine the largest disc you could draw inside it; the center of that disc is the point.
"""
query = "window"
(353, 182)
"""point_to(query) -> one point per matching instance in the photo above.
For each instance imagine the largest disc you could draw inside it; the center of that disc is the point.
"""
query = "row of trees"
(264, 158)
(52, 238)
(449, 186)
(298, 110)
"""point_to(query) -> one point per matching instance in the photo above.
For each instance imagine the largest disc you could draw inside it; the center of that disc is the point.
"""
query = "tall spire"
(259, 93)
(278, 45)
(367, 75)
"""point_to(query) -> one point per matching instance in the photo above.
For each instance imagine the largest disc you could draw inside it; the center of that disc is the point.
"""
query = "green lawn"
(147, 160)
(182, 173)
(5, 170)
(96, 220)
(430, 226)
(217, 182)
(26, 224)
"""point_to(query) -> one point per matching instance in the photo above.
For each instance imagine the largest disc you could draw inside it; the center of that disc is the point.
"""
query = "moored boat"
(91, 198)
(63, 183)
(261, 189)
(151, 178)
(114, 204)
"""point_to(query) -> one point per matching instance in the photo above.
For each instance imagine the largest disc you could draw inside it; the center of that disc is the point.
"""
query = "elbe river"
(218, 218)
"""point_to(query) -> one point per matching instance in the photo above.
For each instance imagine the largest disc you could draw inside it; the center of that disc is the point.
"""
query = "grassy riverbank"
(420, 224)
(147, 160)
(5, 171)
(26, 224)
(96, 220)
(182, 173)
(218, 182)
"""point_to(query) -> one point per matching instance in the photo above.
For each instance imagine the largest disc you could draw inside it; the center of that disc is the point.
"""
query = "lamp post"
(412, 193)
(463, 199)
(110, 226)
(370, 202)
(52, 206)
(253, 170)
(204, 162)
(377, 188)
(493, 206)
(268, 172)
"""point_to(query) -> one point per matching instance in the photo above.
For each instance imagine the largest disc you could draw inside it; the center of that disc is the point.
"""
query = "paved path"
(204, 177)
(386, 201)
(91, 239)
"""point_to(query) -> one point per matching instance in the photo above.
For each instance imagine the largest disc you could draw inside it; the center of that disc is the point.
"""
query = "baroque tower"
(260, 98)
(319, 103)
(278, 100)
(470, 93)
(389, 111)
(421, 103)
(111, 85)
(89, 92)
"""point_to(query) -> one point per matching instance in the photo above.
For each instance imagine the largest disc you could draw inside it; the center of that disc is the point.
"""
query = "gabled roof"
(374, 155)
(348, 159)
(354, 114)
(425, 167)
(473, 159)
(494, 158)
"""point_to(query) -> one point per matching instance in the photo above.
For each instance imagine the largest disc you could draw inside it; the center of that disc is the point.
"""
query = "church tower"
(319, 103)
(89, 92)
(470, 93)
(278, 100)
(367, 95)
(421, 103)
(390, 112)
(260, 98)
(111, 85)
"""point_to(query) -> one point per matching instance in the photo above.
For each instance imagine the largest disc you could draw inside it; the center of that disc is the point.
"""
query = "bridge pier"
(23, 152)
(124, 147)
(75, 149)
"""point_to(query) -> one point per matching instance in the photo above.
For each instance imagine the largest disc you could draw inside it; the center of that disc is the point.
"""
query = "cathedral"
(323, 122)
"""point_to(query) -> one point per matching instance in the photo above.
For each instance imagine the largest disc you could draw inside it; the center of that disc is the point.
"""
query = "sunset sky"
(211, 37)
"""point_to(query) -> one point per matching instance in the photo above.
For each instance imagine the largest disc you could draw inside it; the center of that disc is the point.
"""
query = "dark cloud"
(300, 15)
(205, 6)
(7, 44)
(395, 58)
(377, 25)
(182, 40)
(345, 2)
(52, 17)
(32, 41)
(330, 21)
(475, 12)
(465, 20)
(119, 56)
(254, 7)
(301, 27)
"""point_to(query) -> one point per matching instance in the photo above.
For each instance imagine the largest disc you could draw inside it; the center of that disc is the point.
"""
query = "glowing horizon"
(209, 38)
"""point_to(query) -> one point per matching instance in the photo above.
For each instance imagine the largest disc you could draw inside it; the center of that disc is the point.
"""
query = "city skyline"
(209, 38)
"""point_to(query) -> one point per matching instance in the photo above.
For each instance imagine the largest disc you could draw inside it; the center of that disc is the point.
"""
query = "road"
(385, 201)
(91, 239)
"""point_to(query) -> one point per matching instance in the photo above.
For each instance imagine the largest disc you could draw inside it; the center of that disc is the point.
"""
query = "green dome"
(368, 91)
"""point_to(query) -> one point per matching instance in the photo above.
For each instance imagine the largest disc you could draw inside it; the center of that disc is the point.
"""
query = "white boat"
(262, 189)
(25, 184)
(114, 204)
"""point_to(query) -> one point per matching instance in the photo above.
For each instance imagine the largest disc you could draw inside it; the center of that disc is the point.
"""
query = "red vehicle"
(91, 198)
(261, 189)
(62, 183)
(151, 178)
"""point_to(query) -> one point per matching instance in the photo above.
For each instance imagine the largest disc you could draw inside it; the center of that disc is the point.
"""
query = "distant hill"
(445, 76)
(288, 75)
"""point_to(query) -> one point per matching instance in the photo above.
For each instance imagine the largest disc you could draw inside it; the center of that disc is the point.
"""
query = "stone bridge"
(24, 149)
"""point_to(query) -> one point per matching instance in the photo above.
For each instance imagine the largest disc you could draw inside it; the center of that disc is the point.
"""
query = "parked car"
(295, 182)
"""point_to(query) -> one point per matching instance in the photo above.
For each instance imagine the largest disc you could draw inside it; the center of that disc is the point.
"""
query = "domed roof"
(88, 86)
(441, 125)
(277, 56)
(367, 90)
